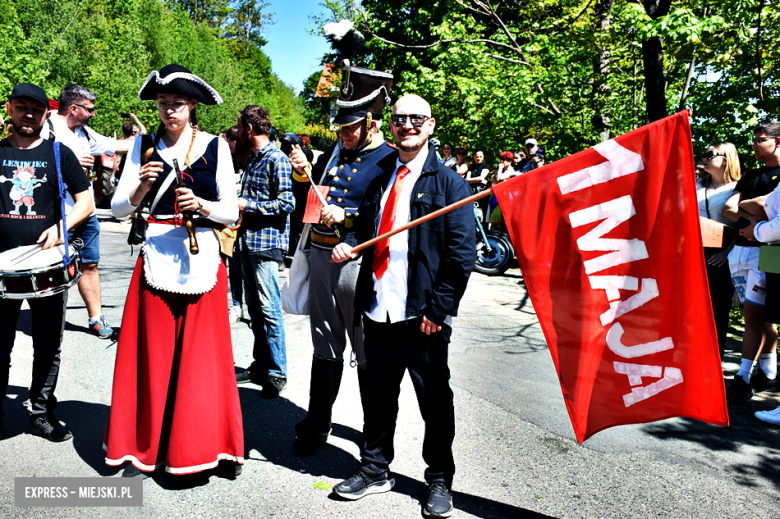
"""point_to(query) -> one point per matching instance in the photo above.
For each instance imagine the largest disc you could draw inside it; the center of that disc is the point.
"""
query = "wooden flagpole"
(414, 223)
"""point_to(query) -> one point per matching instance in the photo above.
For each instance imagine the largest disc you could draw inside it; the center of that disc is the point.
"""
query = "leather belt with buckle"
(321, 239)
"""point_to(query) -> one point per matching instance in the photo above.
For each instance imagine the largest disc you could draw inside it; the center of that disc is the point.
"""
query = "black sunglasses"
(400, 119)
(89, 110)
(711, 154)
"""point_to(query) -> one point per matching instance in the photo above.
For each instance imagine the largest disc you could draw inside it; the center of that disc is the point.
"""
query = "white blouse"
(715, 199)
(168, 263)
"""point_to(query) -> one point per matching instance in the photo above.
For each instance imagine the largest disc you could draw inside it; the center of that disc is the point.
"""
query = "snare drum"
(29, 272)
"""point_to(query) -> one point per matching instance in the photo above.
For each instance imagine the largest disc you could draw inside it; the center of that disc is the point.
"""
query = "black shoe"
(50, 428)
(363, 484)
(739, 391)
(229, 469)
(132, 472)
(273, 386)
(439, 502)
(246, 377)
(307, 443)
(759, 382)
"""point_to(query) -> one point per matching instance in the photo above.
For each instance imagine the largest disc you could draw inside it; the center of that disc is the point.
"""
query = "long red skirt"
(175, 402)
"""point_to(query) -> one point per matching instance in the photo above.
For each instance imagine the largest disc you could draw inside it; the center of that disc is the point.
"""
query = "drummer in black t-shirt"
(30, 214)
(746, 202)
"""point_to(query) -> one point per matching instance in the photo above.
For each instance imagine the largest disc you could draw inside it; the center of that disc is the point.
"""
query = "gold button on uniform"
(335, 179)
(354, 171)
(345, 190)
(341, 167)
(329, 199)
(332, 188)
(357, 160)
(349, 179)
(338, 200)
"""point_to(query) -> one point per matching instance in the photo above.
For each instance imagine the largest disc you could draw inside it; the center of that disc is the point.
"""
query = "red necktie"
(382, 249)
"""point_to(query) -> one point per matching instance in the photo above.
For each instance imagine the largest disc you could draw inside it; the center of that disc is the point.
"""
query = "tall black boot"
(313, 431)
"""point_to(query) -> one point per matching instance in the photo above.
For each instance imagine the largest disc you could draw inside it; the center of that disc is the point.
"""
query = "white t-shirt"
(714, 199)
(769, 231)
(80, 144)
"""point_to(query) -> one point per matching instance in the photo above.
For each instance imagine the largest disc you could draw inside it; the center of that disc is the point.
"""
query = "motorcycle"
(494, 250)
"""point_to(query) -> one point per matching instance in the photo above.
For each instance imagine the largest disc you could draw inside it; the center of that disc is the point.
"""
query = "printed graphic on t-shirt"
(22, 193)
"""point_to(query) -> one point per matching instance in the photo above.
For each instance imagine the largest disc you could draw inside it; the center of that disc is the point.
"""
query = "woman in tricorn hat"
(175, 402)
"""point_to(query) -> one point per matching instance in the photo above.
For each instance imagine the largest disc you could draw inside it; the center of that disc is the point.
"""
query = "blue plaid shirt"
(267, 189)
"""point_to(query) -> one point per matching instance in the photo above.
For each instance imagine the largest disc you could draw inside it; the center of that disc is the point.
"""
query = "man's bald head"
(412, 104)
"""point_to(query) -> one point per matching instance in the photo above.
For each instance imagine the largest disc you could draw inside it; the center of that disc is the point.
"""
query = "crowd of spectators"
(747, 203)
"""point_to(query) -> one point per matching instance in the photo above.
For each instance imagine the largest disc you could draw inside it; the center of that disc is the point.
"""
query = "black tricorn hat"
(175, 79)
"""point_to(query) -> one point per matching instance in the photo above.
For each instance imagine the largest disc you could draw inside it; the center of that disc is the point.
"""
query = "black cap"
(292, 139)
(175, 79)
(34, 92)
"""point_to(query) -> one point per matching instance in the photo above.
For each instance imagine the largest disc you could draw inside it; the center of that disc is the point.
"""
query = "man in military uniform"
(346, 168)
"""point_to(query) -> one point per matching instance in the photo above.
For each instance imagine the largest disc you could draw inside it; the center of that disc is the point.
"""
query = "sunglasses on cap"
(711, 154)
(400, 119)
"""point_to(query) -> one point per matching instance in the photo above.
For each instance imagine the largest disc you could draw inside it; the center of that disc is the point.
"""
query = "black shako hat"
(34, 92)
(175, 79)
(363, 93)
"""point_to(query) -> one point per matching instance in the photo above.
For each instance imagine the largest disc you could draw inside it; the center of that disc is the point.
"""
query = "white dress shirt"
(390, 289)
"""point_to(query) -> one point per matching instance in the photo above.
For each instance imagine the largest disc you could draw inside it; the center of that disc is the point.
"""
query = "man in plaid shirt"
(266, 202)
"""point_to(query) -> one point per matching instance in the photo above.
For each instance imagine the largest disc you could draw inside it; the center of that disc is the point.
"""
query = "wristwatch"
(200, 206)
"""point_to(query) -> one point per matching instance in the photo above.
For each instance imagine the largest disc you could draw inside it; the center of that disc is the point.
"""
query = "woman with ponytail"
(175, 401)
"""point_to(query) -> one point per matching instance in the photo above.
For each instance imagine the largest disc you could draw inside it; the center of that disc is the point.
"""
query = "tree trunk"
(653, 60)
(601, 67)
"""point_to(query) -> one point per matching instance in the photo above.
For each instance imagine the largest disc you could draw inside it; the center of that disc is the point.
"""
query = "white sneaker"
(235, 314)
(772, 417)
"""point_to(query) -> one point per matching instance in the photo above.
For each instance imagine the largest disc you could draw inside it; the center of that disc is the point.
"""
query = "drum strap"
(61, 184)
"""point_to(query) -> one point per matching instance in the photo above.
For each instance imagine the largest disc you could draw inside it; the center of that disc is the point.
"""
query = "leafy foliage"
(111, 46)
(570, 72)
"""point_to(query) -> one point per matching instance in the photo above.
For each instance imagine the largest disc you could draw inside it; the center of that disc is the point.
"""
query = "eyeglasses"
(175, 106)
(89, 110)
(761, 140)
(712, 154)
(400, 119)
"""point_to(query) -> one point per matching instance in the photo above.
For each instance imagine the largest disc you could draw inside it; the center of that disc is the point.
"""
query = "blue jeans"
(234, 277)
(261, 282)
(89, 233)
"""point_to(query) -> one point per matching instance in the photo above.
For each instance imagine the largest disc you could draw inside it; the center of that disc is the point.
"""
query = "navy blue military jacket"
(442, 251)
(347, 179)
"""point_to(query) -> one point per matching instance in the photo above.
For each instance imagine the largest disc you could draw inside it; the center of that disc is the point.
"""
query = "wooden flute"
(187, 215)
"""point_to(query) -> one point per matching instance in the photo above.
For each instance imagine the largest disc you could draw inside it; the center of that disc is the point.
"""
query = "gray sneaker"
(439, 502)
(101, 328)
(363, 484)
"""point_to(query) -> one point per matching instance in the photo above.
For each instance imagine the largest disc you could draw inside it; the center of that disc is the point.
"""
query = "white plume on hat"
(344, 38)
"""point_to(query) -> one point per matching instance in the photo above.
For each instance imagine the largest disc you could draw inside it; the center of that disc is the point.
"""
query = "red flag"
(611, 252)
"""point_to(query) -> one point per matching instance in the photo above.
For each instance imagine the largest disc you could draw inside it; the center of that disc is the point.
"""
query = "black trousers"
(48, 324)
(391, 350)
(721, 292)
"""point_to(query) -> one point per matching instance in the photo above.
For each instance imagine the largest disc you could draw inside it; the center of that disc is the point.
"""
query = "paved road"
(515, 449)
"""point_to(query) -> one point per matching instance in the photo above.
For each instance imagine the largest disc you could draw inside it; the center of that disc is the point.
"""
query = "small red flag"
(611, 252)
(313, 211)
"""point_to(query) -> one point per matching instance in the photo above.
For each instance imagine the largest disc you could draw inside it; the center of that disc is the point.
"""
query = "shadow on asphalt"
(269, 429)
(468, 503)
(745, 430)
(86, 420)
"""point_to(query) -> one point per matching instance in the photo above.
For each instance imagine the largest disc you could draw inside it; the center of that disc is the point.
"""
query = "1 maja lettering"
(620, 162)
